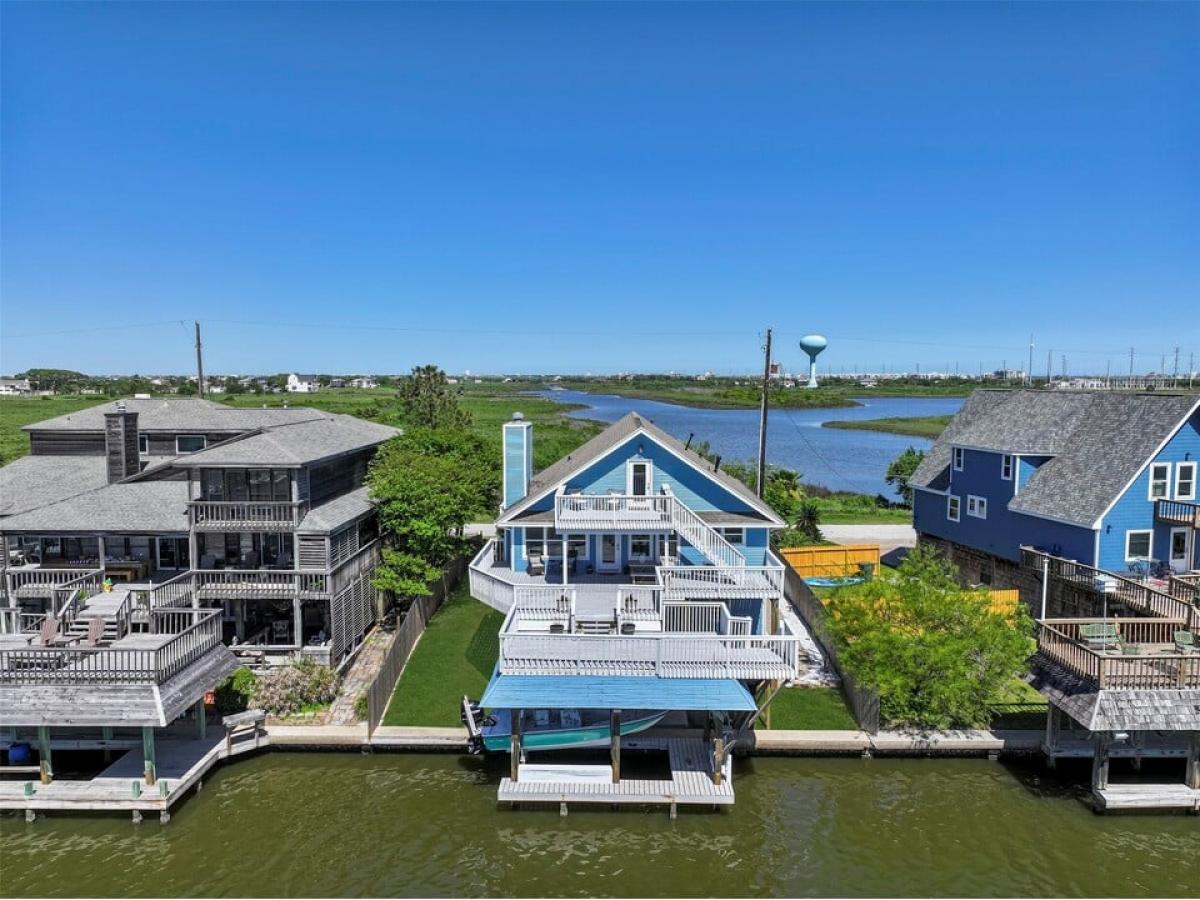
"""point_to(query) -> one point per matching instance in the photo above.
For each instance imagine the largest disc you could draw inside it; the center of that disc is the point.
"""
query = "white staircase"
(703, 536)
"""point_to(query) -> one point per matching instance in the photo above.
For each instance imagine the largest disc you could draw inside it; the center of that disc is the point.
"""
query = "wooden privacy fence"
(1004, 602)
(415, 621)
(831, 562)
(863, 701)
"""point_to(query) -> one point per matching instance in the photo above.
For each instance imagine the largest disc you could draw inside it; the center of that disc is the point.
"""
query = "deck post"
(106, 735)
(1100, 760)
(614, 731)
(1192, 778)
(718, 760)
(1053, 730)
(148, 754)
(239, 618)
(201, 723)
(298, 622)
(514, 750)
(45, 762)
(564, 559)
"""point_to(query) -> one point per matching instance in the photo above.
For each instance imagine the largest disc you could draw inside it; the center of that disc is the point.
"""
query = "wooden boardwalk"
(690, 783)
(180, 765)
(1147, 796)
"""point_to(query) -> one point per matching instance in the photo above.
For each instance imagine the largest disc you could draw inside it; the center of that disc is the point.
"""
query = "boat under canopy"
(616, 692)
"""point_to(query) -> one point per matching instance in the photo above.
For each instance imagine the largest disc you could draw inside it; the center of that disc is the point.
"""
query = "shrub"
(361, 708)
(234, 693)
(289, 689)
(937, 654)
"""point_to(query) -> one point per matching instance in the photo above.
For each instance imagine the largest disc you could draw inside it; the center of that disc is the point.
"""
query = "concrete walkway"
(359, 676)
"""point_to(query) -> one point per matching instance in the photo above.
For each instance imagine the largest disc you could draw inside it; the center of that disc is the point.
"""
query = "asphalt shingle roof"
(614, 435)
(33, 481)
(332, 514)
(292, 444)
(176, 414)
(1099, 441)
(135, 506)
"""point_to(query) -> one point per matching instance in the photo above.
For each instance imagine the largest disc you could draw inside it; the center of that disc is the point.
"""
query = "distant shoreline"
(913, 426)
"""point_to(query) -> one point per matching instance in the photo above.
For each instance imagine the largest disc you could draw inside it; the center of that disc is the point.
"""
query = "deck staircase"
(702, 536)
(595, 625)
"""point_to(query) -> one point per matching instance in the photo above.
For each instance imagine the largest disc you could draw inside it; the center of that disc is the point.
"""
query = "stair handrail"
(710, 542)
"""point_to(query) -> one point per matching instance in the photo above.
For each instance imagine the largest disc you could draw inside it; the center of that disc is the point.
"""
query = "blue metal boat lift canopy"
(615, 692)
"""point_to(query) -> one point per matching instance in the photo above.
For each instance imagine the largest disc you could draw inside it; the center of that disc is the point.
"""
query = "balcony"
(612, 512)
(240, 515)
(1132, 654)
(1177, 512)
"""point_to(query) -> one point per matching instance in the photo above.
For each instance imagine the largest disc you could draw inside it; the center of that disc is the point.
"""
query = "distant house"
(302, 384)
(1106, 479)
(364, 383)
(13, 387)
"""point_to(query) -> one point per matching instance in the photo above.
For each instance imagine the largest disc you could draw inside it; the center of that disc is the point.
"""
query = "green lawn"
(810, 709)
(843, 508)
(917, 426)
(454, 656)
(1023, 707)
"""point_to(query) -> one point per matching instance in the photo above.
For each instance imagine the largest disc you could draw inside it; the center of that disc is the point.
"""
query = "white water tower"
(813, 344)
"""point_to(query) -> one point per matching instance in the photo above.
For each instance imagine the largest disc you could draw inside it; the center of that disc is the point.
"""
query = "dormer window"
(1006, 467)
(190, 443)
(959, 457)
(143, 444)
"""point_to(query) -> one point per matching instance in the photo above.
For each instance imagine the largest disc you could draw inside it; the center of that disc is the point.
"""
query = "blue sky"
(597, 187)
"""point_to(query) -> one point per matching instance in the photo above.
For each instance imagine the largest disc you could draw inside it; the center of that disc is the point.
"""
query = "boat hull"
(498, 738)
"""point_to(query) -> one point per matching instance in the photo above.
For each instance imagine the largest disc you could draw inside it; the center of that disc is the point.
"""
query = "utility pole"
(1175, 372)
(1029, 371)
(1191, 369)
(1049, 367)
(762, 421)
(199, 364)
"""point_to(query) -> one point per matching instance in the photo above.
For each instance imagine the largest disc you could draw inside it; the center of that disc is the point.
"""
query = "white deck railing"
(720, 582)
(615, 512)
(40, 581)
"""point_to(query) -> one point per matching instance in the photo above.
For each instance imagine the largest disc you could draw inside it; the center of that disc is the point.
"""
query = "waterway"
(291, 824)
(840, 459)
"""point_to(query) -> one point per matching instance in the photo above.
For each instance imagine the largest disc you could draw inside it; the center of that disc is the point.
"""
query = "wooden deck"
(690, 782)
(181, 765)
(1147, 796)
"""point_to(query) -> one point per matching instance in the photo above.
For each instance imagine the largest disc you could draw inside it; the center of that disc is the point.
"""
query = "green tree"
(428, 401)
(901, 470)
(427, 484)
(937, 654)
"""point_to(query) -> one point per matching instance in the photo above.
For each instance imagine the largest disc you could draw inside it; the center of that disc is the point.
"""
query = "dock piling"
(45, 761)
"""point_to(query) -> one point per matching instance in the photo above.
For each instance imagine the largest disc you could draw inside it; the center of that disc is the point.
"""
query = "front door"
(608, 553)
(1181, 549)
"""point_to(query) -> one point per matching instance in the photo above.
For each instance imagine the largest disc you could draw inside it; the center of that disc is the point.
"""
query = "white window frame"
(977, 506)
(959, 456)
(1007, 466)
(1191, 467)
(954, 507)
(144, 443)
(1149, 532)
(735, 536)
(649, 540)
(179, 437)
(573, 541)
(1165, 481)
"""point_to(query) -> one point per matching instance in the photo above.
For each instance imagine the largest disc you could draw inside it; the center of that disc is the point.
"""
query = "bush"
(292, 688)
(936, 654)
(235, 692)
(361, 708)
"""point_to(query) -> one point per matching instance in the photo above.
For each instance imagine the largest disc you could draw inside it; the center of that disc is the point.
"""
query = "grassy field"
(810, 709)
(18, 411)
(455, 656)
(1023, 707)
(858, 509)
(916, 426)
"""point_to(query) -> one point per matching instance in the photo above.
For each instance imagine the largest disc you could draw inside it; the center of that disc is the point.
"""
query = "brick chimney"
(121, 443)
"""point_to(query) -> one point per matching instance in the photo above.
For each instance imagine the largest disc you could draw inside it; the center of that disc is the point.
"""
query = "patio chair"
(48, 636)
(1130, 649)
(537, 564)
(1185, 642)
(95, 632)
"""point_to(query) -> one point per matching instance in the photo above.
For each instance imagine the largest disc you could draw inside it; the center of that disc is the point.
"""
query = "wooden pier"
(691, 782)
(180, 766)
(1147, 797)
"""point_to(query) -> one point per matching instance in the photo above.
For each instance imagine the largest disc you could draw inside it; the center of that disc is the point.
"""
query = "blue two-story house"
(1106, 479)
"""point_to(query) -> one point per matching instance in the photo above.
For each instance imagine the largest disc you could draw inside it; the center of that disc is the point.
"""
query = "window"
(637, 479)
(1160, 481)
(543, 542)
(1185, 481)
(577, 546)
(143, 443)
(1138, 545)
(977, 506)
(953, 510)
(190, 443)
(959, 456)
(1006, 467)
(734, 535)
(639, 546)
(212, 484)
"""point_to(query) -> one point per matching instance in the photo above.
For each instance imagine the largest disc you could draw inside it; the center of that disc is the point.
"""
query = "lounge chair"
(537, 564)
(1185, 642)
(95, 632)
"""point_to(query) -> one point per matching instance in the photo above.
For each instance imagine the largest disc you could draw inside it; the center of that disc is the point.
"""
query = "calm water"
(353, 825)
(842, 460)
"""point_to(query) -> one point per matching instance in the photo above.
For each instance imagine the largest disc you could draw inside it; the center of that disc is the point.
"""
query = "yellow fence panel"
(833, 561)
(1005, 602)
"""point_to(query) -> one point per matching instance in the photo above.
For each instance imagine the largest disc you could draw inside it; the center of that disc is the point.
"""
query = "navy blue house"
(1106, 479)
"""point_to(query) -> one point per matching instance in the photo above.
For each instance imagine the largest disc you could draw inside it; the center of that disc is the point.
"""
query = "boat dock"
(181, 765)
(1147, 797)
(692, 781)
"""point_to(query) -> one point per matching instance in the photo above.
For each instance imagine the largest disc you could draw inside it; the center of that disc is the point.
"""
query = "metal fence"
(863, 701)
(413, 626)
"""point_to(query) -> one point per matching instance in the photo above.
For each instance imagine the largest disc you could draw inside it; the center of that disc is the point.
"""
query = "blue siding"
(1026, 466)
(1135, 511)
(518, 460)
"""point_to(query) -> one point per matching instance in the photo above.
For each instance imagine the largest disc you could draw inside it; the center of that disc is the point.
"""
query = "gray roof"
(1099, 442)
(175, 414)
(333, 514)
(127, 506)
(611, 437)
(1112, 710)
(34, 481)
(292, 444)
